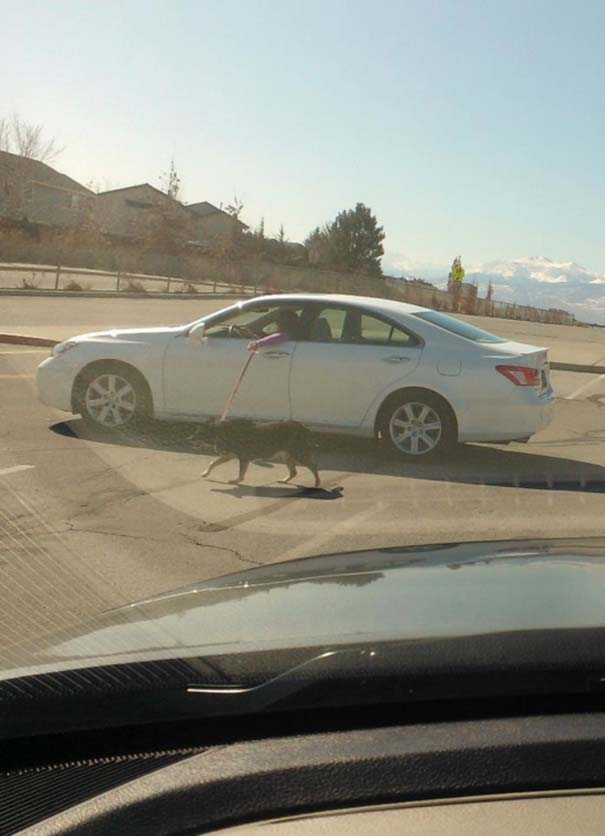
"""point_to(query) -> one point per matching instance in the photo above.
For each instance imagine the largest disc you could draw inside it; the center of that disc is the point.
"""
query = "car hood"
(396, 594)
(145, 335)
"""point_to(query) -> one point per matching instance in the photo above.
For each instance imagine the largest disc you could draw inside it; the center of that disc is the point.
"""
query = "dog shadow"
(292, 491)
(514, 466)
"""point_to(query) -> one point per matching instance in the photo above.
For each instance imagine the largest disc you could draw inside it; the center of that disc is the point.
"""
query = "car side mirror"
(197, 332)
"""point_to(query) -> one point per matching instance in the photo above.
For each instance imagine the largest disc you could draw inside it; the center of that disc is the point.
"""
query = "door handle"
(275, 355)
(395, 358)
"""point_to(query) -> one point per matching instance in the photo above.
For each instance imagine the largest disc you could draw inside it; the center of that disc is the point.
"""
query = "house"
(32, 190)
(138, 211)
(212, 223)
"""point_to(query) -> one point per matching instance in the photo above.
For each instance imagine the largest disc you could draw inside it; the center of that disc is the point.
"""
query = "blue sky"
(468, 127)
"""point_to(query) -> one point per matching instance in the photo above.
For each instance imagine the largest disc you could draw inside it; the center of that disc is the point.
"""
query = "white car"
(417, 378)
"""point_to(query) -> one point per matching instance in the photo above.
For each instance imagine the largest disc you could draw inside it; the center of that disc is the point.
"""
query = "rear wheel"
(111, 398)
(417, 425)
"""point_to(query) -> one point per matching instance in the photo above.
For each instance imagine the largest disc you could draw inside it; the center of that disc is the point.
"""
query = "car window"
(328, 325)
(248, 323)
(350, 325)
(458, 327)
(155, 224)
(381, 332)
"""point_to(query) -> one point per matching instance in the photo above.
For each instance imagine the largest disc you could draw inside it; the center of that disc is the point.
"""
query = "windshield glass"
(296, 281)
(456, 326)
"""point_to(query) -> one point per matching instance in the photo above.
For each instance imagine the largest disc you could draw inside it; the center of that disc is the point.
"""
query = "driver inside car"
(287, 329)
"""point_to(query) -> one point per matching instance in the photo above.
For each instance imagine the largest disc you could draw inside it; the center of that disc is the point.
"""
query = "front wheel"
(110, 399)
(417, 426)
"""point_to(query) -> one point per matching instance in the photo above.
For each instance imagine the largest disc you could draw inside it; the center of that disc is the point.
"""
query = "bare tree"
(4, 135)
(97, 186)
(234, 209)
(27, 140)
(171, 182)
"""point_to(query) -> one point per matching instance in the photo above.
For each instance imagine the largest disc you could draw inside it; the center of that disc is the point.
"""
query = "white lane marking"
(16, 469)
(584, 387)
(314, 544)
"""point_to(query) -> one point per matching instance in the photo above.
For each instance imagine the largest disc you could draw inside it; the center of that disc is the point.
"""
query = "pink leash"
(234, 391)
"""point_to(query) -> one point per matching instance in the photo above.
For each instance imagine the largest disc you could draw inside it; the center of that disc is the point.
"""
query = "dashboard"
(309, 776)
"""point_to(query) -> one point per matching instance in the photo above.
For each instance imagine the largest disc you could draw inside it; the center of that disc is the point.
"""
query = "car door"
(350, 356)
(199, 375)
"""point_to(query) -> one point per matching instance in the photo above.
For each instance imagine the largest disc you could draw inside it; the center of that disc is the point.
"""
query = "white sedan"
(417, 378)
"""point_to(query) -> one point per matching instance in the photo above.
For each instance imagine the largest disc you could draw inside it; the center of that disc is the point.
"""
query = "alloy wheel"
(415, 428)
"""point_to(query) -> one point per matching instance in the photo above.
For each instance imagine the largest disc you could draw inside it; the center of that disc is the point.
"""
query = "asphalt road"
(88, 523)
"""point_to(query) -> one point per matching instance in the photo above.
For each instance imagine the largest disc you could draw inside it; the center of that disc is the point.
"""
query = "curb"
(18, 339)
(577, 367)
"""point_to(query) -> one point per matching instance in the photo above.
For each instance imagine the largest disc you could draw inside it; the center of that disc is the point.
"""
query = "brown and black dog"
(282, 441)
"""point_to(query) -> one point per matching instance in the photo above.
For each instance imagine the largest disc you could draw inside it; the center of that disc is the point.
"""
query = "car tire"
(417, 425)
(111, 398)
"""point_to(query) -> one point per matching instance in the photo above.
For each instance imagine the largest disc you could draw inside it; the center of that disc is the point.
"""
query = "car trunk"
(520, 354)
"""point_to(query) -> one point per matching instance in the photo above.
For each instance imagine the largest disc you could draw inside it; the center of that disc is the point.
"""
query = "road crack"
(233, 552)
(71, 528)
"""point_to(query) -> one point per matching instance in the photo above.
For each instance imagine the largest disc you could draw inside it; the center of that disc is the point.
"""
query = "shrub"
(30, 284)
(134, 286)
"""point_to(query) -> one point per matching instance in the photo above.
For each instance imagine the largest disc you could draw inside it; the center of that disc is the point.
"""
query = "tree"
(27, 140)
(234, 209)
(171, 182)
(352, 242)
(490, 292)
(259, 232)
(98, 186)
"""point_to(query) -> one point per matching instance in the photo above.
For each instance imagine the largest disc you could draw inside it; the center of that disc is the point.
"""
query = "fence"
(50, 277)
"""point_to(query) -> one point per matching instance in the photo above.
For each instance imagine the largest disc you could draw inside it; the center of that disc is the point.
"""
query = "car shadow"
(515, 466)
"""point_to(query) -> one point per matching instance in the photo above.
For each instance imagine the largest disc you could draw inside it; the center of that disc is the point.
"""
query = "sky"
(472, 128)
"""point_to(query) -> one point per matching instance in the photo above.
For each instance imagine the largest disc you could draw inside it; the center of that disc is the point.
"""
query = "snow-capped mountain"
(543, 283)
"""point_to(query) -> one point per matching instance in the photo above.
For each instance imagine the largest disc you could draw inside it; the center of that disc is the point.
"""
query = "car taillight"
(520, 375)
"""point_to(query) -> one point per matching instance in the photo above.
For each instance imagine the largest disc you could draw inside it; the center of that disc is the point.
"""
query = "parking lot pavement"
(92, 522)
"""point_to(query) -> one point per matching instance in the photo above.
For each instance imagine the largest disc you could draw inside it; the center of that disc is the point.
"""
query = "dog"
(282, 441)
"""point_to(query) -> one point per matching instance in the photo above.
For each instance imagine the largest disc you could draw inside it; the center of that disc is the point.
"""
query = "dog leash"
(234, 391)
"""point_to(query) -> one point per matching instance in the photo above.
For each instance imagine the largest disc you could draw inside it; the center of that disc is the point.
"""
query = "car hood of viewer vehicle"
(383, 595)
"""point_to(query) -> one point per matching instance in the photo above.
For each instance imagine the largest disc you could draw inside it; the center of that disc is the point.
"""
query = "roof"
(204, 208)
(138, 186)
(200, 210)
(376, 303)
(40, 171)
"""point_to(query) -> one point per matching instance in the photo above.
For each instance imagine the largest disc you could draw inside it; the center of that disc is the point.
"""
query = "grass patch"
(72, 284)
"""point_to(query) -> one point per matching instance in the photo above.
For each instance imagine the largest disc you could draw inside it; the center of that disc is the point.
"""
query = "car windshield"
(302, 319)
(456, 326)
